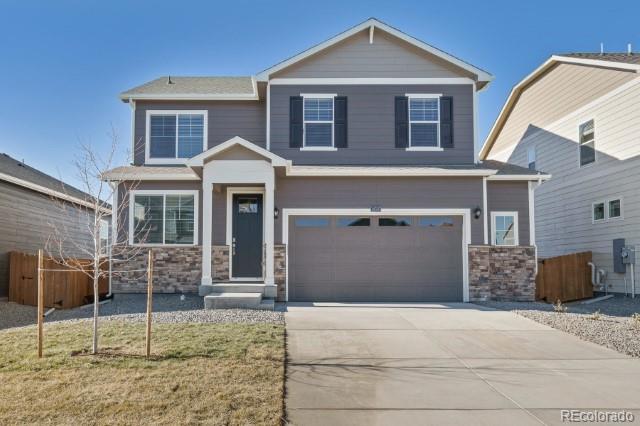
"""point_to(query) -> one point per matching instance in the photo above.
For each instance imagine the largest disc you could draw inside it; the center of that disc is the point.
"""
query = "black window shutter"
(340, 121)
(296, 122)
(402, 122)
(446, 122)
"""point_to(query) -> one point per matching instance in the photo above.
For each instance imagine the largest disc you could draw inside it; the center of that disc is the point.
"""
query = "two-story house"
(577, 117)
(347, 172)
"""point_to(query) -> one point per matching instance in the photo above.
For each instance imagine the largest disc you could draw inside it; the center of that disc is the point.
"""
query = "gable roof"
(198, 160)
(18, 173)
(607, 60)
(195, 88)
(372, 24)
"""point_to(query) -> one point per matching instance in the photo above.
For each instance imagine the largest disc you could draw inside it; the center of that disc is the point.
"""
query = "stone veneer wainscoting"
(176, 269)
(502, 273)
(280, 270)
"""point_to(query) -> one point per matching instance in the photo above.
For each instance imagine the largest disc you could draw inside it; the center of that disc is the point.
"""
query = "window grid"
(504, 228)
(175, 135)
(319, 118)
(608, 209)
(587, 143)
(424, 119)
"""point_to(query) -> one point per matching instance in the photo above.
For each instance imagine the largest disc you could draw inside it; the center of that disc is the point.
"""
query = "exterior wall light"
(276, 212)
(477, 212)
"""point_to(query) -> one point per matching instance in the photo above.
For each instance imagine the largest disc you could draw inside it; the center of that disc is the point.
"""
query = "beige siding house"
(577, 117)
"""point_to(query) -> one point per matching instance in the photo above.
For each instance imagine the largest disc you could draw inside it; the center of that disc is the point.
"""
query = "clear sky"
(63, 62)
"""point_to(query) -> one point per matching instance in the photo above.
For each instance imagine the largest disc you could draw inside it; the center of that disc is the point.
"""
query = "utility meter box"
(628, 254)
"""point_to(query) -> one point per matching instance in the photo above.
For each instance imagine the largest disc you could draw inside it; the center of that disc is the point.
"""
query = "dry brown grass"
(199, 374)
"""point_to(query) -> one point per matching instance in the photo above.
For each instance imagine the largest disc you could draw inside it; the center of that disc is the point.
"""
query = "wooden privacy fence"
(63, 287)
(564, 278)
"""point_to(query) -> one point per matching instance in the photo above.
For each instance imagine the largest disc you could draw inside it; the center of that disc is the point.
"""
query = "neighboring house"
(577, 117)
(32, 205)
(347, 172)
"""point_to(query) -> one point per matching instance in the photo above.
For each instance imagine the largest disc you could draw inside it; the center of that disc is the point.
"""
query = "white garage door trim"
(466, 231)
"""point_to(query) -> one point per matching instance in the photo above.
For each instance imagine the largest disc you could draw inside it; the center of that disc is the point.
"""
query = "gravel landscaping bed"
(607, 323)
(167, 308)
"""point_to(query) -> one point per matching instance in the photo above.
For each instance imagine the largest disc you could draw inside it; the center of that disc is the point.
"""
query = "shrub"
(559, 307)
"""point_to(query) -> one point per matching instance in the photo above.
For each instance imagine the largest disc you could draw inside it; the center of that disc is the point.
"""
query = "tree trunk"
(96, 297)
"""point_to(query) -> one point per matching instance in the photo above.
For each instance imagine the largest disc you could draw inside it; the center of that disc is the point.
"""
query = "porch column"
(269, 187)
(207, 204)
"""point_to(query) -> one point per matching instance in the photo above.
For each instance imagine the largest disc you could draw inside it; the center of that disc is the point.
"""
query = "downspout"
(132, 103)
(114, 229)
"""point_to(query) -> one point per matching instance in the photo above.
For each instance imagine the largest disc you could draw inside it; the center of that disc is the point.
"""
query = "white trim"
(50, 192)
(319, 95)
(371, 28)
(532, 209)
(466, 231)
(164, 193)
(268, 139)
(424, 148)
(383, 171)
(485, 215)
(127, 97)
(132, 104)
(114, 217)
(369, 81)
(481, 74)
(520, 177)
(424, 96)
(476, 152)
(132, 175)
(318, 148)
(176, 160)
(198, 160)
(516, 230)
(517, 89)
(231, 191)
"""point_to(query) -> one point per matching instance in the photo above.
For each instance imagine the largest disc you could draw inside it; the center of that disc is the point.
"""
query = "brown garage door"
(375, 259)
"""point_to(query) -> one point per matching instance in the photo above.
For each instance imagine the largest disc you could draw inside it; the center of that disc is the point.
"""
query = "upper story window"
(587, 141)
(318, 121)
(174, 136)
(163, 217)
(424, 121)
(531, 157)
(606, 210)
(505, 228)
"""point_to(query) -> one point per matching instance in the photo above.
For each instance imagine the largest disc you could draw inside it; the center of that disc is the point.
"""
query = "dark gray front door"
(375, 259)
(246, 245)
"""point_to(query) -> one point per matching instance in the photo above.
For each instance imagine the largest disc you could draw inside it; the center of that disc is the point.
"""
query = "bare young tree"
(92, 205)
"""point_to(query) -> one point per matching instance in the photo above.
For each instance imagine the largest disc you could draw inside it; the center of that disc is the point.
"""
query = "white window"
(175, 136)
(531, 157)
(318, 121)
(609, 209)
(424, 121)
(104, 237)
(163, 217)
(587, 142)
(598, 211)
(505, 228)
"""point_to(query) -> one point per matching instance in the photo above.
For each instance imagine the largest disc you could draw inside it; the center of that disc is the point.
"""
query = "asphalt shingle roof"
(17, 169)
(193, 86)
(633, 58)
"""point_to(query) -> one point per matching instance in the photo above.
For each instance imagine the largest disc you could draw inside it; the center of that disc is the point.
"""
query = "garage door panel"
(376, 263)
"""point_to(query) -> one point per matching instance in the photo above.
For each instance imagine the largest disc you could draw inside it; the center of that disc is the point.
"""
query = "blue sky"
(63, 63)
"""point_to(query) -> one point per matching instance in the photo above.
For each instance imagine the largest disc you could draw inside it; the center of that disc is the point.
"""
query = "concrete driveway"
(444, 364)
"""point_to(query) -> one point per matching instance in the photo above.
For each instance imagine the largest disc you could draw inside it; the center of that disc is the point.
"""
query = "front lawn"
(200, 373)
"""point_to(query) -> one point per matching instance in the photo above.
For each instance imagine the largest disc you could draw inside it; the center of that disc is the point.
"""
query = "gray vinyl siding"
(26, 221)
(371, 125)
(387, 56)
(364, 192)
(123, 202)
(563, 204)
(510, 196)
(226, 119)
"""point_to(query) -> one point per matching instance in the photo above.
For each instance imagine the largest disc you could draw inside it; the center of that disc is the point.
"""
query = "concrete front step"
(237, 300)
(268, 291)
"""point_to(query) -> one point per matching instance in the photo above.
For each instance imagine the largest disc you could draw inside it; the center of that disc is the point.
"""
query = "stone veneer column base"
(220, 259)
(502, 273)
(280, 270)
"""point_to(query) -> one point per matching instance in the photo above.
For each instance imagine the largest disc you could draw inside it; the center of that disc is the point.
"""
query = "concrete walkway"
(444, 364)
